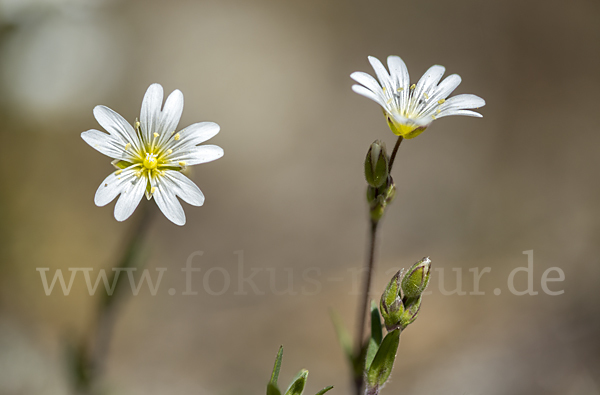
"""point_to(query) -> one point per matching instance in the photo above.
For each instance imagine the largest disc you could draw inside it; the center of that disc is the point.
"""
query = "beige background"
(289, 192)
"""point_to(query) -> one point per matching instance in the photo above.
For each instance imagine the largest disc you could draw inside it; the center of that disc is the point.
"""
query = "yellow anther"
(389, 101)
(384, 88)
(118, 172)
(182, 163)
(169, 151)
(400, 89)
(127, 146)
(433, 117)
(412, 87)
(438, 111)
(137, 124)
(177, 137)
(153, 189)
(426, 95)
(156, 135)
(441, 101)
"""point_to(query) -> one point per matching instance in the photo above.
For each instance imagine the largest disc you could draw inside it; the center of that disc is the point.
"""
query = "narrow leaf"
(272, 389)
(343, 336)
(325, 390)
(297, 386)
(276, 367)
(376, 335)
(382, 364)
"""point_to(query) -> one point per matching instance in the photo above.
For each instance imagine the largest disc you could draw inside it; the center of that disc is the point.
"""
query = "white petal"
(170, 116)
(399, 72)
(130, 197)
(106, 144)
(465, 101)
(368, 81)
(116, 125)
(112, 186)
(194, 135)
(443, 90)
(447, 86)
(168, 203)
(185, 188)
(150, 114)
(468, 113)
(382, 74)
(361, 90)
(197, 155)
(428, 81)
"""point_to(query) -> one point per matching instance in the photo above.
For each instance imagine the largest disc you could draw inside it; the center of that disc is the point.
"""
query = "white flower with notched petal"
(409, 109)
(150, 156)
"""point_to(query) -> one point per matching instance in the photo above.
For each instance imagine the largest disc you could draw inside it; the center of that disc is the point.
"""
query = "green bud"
(409, 315)
(376, 164)
(297, 386)
(416, 279)
(391, 304)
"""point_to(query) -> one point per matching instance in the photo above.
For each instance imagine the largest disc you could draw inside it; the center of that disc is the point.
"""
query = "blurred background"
(288, 196)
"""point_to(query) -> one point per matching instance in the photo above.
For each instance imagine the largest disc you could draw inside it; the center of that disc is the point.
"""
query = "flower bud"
(416, 279)
(409, 315)
(376, 164)
(391, 304)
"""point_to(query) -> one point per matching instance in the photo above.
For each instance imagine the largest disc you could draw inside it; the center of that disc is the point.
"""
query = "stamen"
(156, 135)
(137, 124)
(400, 89)
(118, 172)
(127, 146)
(412, 87)
(433, 116)
(152, 190)
(182, 164)
(177, 137)
(384, 89)
(441, 101)
(426, 95)
(169, 151)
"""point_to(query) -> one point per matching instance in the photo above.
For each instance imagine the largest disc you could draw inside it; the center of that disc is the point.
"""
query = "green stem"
(362, 313)
(364, 305)
(93, 353)
(394, 152)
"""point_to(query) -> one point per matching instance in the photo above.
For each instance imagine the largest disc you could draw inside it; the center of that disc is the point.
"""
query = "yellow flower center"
(150, 162)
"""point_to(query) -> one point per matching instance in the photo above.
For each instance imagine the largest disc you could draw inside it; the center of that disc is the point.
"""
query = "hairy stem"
(94, 351)
(362, 313)
(394, 152)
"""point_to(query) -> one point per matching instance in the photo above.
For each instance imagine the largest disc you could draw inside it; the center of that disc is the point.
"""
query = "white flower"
(409, 109)
(150, 156)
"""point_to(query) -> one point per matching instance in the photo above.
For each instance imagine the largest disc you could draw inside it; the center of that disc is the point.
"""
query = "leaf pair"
(298, 383)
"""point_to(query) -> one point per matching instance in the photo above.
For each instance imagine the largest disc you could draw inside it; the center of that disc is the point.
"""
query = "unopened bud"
(391, 303)
(416, 279)
(376, 164)
(411, 310)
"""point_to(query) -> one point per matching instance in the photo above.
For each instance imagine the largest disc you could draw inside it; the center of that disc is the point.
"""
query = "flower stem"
(93, 353)
(362, 313)
(394, 152)
(364, 305)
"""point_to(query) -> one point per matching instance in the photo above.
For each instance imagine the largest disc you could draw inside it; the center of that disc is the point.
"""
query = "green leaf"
(297, 386)
(342, 335)
(272, 389)
(325, 390)
(381, 367)
(276, 367)
(376, 335)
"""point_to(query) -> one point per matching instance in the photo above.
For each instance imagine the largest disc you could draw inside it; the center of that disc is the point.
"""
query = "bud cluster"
(401, 300)
(381, 190)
